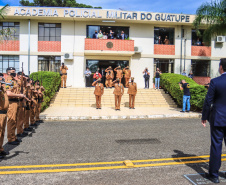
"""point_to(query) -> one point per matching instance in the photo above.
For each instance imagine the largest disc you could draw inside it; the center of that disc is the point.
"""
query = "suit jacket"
(132, 89)
(99, 88)
(215, 102)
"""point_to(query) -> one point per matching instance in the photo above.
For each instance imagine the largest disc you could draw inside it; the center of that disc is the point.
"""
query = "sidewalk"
(91, 113)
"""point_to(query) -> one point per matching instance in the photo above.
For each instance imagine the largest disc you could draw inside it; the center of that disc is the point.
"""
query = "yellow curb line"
(103, 163)
(99, 168)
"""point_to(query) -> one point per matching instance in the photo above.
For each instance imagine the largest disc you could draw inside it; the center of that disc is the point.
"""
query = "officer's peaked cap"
(10, 68)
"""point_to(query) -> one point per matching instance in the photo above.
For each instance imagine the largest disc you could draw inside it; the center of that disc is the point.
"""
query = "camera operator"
(146, 78)
(186, 98)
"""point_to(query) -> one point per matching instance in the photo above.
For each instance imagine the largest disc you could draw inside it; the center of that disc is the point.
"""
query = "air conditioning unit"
(220, 39)
(68, 56)
(137, 49)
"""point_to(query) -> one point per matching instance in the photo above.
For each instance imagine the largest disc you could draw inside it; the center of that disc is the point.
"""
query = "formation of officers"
(20, 106)
(119, 88)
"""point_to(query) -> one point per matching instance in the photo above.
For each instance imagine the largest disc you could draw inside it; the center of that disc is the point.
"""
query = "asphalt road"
(109, 141)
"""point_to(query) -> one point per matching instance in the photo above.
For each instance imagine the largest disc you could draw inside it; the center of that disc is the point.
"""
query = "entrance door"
(164, 65)
(98, 65)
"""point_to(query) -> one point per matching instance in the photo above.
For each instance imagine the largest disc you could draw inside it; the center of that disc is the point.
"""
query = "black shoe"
(24, 134)
(130, 108)
(3, 153)
(34, 125)
(187, 110)
(96, 108)
(41, 121)
(1, 156)
(65, 87)
(28, 129)
(133, 108)
(99, 108)
(19, 135)
(182, 111)
(18, 140)
(14, 143)
(213, 179)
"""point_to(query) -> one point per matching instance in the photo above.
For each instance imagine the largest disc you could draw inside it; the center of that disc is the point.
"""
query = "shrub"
(50, 81)
(170, 82)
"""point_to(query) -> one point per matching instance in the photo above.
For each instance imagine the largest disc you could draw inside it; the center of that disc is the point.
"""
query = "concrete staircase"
(84, 97)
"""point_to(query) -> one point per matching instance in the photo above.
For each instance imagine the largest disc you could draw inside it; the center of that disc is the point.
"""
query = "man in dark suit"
(95, 35)
(214, 110)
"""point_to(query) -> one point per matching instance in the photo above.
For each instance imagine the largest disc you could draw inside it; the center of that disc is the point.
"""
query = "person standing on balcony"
(166, 41)
(127, 75)
(157, 78)
(99, 91)
(146, 78)
(105, 35)
(111, 35)
(119, 72)
(87, 74)
(132, 91)
(100, 35)
(109, 77)
(95, 35)
(122, 36)
(198, 42)
(63, 70)
(118, 92)
(160, 40)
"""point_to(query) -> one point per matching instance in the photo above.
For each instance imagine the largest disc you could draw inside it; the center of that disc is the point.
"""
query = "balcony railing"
(109, 44)
(201, 51)
(49, 46)
(10, 45)
(161, 49)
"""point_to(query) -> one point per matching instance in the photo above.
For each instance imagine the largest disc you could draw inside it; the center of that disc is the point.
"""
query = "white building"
(45, 36)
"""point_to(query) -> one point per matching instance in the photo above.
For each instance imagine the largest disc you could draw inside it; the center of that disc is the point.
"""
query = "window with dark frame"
(49, 63)
(201, 68)
(9, 61)
(164, 35)
(15, 29)
(117, 30)
(197, 38)
(49, 32)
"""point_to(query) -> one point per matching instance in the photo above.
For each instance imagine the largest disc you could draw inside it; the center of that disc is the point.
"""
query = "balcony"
(161, 49)
(204, 51)
(49, 46)
(109, 46)
(10, 45)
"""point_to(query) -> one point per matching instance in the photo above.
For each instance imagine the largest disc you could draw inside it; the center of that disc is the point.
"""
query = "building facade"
(44, 37)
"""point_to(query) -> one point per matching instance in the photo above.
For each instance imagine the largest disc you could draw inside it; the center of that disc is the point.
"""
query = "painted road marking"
(104, 167)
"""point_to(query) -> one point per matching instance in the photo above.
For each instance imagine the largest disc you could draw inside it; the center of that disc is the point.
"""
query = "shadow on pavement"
(199, 168)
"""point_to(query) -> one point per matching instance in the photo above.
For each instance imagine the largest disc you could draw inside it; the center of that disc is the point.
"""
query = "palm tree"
(5, 34)
(2, 11)
(214, 16)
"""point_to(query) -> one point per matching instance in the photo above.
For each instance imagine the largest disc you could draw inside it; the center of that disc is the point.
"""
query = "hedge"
(170, 82)
(50, 81)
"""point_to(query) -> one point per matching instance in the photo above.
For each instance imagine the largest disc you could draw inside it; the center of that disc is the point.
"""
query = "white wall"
(143, 36)
(218, 49)
(67, 37)
(78, 70)
(214, 68)
(137, 66)
(34, 63)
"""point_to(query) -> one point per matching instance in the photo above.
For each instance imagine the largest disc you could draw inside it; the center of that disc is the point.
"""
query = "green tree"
(212, 14)
(5, 34)
(55, 3)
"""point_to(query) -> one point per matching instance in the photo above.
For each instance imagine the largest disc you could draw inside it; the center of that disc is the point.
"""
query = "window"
(164, 36)
(49, 63)
(164, 65)
(197, 38)
(201, 67)
(14, 28)
(9, 61)
(49, 32)
(116, 31)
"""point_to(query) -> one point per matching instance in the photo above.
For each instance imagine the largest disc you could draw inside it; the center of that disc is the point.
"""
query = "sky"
(161, 6)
